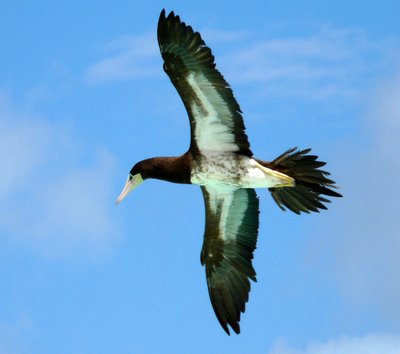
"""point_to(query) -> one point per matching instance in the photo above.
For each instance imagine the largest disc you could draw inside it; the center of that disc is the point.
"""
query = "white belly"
(236, 170)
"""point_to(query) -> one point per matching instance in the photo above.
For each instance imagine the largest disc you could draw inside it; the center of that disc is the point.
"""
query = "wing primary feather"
(228, 250)
(215, 117)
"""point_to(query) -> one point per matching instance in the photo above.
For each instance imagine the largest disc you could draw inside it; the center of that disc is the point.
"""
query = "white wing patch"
(212, 131)
(236, 213)
(229, 204)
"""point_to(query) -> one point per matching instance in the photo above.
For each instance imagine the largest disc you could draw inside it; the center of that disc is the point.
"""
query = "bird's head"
(135, 178)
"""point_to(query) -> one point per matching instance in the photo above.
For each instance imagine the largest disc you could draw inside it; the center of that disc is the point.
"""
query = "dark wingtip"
(234, 326)
(224, 324)
(162, 16)
(225, 327)
(171, 15)
(336, 194)
(161, 19)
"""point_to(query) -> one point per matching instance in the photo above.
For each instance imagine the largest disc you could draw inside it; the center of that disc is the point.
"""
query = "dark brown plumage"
(171, 169)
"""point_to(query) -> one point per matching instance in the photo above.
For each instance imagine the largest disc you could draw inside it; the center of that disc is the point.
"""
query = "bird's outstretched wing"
(215, 117)
(229, 242)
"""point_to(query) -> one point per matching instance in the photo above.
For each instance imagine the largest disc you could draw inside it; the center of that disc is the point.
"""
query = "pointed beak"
(130, 185)
(127, 188)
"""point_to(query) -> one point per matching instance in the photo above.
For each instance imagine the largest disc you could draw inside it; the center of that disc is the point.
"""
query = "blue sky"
(83, 97)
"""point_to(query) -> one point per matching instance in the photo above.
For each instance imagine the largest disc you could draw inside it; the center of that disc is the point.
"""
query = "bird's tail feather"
(311, 183)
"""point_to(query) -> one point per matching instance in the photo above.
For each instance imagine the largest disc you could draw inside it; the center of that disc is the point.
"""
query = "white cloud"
(138, 56)
(367, 344)
(132, 57)
(363, 249)
(20, 149)
(53, 198)
(328, 62)
(385, 118)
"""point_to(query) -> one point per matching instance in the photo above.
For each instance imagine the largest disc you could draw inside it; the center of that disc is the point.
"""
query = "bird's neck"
(171, 169)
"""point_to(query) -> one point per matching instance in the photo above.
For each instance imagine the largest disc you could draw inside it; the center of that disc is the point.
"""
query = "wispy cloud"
(129, 57)
(138, 56)
(323, 63)
(367, 344)
(54, 199)
(363, 249)
(326, 63)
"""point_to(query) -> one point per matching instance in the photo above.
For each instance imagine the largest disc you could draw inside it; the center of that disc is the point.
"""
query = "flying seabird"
(220, 161)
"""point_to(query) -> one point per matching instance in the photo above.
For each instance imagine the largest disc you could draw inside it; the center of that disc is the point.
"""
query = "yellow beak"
(130, 185)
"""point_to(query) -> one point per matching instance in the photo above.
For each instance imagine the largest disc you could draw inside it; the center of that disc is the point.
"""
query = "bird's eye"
(130, 177)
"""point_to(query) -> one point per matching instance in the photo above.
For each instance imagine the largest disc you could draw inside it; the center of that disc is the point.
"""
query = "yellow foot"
(280, 178)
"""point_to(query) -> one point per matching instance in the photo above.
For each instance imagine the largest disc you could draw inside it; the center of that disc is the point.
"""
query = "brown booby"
(220, 161)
